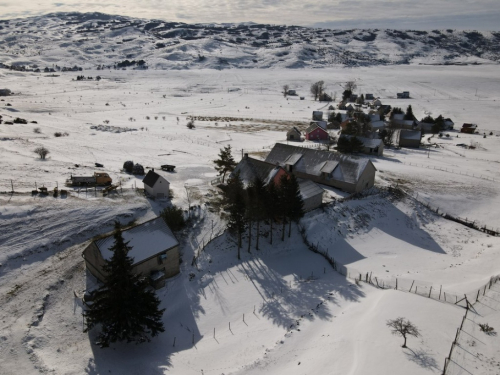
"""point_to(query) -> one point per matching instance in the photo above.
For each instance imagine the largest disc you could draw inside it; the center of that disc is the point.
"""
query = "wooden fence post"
(396, 283)
(411, 285)
(430, 291)
(440, 292)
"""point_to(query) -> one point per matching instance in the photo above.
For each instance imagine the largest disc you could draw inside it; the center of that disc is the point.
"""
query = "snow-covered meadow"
(341, 326)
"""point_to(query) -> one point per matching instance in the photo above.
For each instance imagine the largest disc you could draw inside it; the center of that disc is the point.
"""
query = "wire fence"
(418, 287)
(450, 170)
(460, 359)
(473, 224)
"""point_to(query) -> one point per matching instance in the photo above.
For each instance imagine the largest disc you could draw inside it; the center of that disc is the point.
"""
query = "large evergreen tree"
(236, 207)
(124, 306)
(409, 114)
(272, 206)
(295, 207)
(260, 193)
(225, 163)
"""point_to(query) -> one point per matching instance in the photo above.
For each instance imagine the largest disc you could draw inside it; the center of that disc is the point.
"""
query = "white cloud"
(415, 14)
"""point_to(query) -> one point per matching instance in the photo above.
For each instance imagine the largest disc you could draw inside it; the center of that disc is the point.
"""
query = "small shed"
(448, 124)
(371, 146)
(317, 116)
(5, 92)
(154, 251)
(291, 92)
(409, 138)
(369, 97)
(311, 193)
(156, 185)
(293, 134)
(468, 128)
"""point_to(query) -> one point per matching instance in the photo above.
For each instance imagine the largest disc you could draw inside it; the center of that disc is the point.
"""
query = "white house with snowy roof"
(156, 185)
(153, 248)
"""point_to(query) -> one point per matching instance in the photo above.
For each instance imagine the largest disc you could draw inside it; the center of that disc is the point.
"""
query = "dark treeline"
(279, 202)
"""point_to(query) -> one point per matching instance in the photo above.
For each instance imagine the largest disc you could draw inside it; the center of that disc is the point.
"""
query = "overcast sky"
(394, 14)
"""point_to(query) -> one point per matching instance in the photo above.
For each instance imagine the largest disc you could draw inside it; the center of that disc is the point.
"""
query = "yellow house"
(154, 250)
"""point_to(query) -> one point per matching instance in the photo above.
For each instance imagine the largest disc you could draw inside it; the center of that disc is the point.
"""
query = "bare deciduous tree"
(350, 85)
(317, 89)
(402, 327)
(42, 152)
(285, 90)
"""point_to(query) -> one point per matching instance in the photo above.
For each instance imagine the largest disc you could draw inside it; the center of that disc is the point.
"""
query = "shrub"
(486, 328)
(42, 152)
(190, 124)
(37, 131)
(128, 166)
(138, 169)
(57, 134)
(174, 217)
(18, 120)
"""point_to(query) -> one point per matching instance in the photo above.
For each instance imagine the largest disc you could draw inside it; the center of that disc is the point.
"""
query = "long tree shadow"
(289, 291)
(422, 358)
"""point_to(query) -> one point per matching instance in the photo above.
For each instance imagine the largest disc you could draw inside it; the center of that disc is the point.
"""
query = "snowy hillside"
(89, 40)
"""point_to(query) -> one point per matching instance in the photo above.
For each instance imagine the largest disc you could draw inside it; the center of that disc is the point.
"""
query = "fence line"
(419, 287)
(443, 169)
(449, 361)
(474, 224)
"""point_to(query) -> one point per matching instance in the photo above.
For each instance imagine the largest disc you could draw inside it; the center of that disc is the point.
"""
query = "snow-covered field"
(301, 324)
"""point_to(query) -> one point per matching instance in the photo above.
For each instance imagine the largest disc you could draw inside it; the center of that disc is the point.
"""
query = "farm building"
(323, 124)
(154, 250)
(448, 124)
(317, 116)
(293, 134)
(324, 167)
(316, 133)
(376, 125)
(403, 95)
(291, 92)
(155, 185)
(409, 138)
(248, 169)
(426, 127)
(468, 128)
(5, 92)
(369, 97)
(371, 146)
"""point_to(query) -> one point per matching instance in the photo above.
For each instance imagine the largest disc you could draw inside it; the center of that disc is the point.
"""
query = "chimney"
(245, 156)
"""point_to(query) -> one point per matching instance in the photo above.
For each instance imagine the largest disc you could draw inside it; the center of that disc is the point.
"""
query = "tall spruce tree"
(225, 163)
(259, 204)
(124, 306)
(295, 207)
(235, 206)
(272, 206)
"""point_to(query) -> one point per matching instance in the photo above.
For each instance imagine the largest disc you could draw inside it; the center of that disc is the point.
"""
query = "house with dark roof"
(293, 134)
(154, 250)
(156, 185)
(316, 133)
(324, 167)
(371, 146)
(468, 128)
(248, 169)
(409, 138)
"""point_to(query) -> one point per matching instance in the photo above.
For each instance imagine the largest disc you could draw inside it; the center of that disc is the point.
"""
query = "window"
(162, 258)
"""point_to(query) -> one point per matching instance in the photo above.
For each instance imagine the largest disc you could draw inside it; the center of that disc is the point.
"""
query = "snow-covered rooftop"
(145, 240)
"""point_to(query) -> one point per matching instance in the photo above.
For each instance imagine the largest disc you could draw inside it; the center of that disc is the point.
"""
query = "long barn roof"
(314, 162)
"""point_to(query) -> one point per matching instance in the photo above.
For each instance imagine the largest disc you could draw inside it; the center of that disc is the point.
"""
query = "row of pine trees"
(260, 202)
